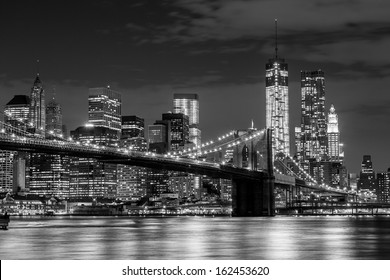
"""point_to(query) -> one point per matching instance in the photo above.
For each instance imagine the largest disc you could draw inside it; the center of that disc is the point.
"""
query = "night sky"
(148, 50)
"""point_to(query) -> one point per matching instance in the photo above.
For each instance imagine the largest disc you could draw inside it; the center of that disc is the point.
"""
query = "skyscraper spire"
(276, 38)
(38, 67)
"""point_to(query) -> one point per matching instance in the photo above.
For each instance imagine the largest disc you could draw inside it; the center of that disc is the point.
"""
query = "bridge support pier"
(253, 198)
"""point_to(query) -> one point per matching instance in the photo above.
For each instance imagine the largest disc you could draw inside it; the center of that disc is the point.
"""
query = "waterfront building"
(333, 136)
(104, 108)
(132, 179)
(89, 177)
(188, 104)
(49, 175)
(37, 112)
(16, 114)
(367, 181)
(383, 190)
(313, 120)
(277, 103)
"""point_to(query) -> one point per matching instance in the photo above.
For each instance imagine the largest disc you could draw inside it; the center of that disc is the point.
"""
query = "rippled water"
(276, 238)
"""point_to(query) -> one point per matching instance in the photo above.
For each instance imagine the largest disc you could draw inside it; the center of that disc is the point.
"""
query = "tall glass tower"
(276, 94)
(188, 104)
(104, 108)
(313, 119)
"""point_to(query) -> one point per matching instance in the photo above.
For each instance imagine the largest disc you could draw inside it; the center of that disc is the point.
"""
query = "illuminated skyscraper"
(54, 118)
(333, 135)
(16, 114)
(104, 108)
(313, 120)
(276, 94)
(383, 191)
(37, 107)
(179, 130)
(367, 175)
(188, 104)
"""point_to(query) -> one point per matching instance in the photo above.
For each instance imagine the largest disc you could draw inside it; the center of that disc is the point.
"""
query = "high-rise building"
(16, 112)
(188, 104)
(179, 130)
(313, 120)
(333, 135)
(132, 126)
(383, 191)
(132, 179)
(158, 137)
(367, 179)
(104, 108)
(54, 118)
(37, 107)
(89, 177)
(12, 171)
(277, 105)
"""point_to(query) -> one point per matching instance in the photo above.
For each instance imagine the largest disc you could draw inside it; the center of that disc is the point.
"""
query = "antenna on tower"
(38, 67)
(276, 38)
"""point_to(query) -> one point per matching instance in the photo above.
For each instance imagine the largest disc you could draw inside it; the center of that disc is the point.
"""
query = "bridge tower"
(254, 197)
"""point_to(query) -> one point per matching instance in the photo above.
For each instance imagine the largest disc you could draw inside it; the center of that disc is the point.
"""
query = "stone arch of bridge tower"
(257, 157)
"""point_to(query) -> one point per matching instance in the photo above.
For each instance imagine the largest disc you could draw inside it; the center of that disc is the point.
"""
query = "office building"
(367, 179)
(277, 103)
(179, 130)
(37, 112)
(132, 179)
(333, 136)
(313, 120)
(89, 177)
(104, 108)
(383, 191)
(188, 104)
(54, 124)
(16, 114)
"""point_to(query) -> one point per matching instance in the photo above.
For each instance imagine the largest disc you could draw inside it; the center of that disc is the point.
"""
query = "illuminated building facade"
(367, 179)
(37, 111)
(132, 126)
(54, 118)
(277, 112)
(383, 191)
(188, 104)
(89, 177)
(104, 108)
(158, 137)
(333, 135)
(132, 179)
(16, 114)
(313, 119)
(49, 175)
(179, 130)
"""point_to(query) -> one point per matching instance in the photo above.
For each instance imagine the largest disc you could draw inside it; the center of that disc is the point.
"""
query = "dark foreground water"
(276, 238)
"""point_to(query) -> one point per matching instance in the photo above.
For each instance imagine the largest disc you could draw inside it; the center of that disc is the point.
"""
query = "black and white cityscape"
(231, 127)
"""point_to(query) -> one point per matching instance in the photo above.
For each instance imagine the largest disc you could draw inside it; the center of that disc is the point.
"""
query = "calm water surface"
(276, 238)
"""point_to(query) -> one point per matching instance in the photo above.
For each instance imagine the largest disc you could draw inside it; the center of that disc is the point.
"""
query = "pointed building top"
(332, 110)
(37, 80)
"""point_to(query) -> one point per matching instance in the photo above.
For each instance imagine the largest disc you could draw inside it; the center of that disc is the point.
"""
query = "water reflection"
(277, 238)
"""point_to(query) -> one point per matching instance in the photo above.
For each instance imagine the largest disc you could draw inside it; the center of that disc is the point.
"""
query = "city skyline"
(148, 51)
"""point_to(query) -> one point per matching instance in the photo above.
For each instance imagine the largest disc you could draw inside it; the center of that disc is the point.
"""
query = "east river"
(185, 238)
